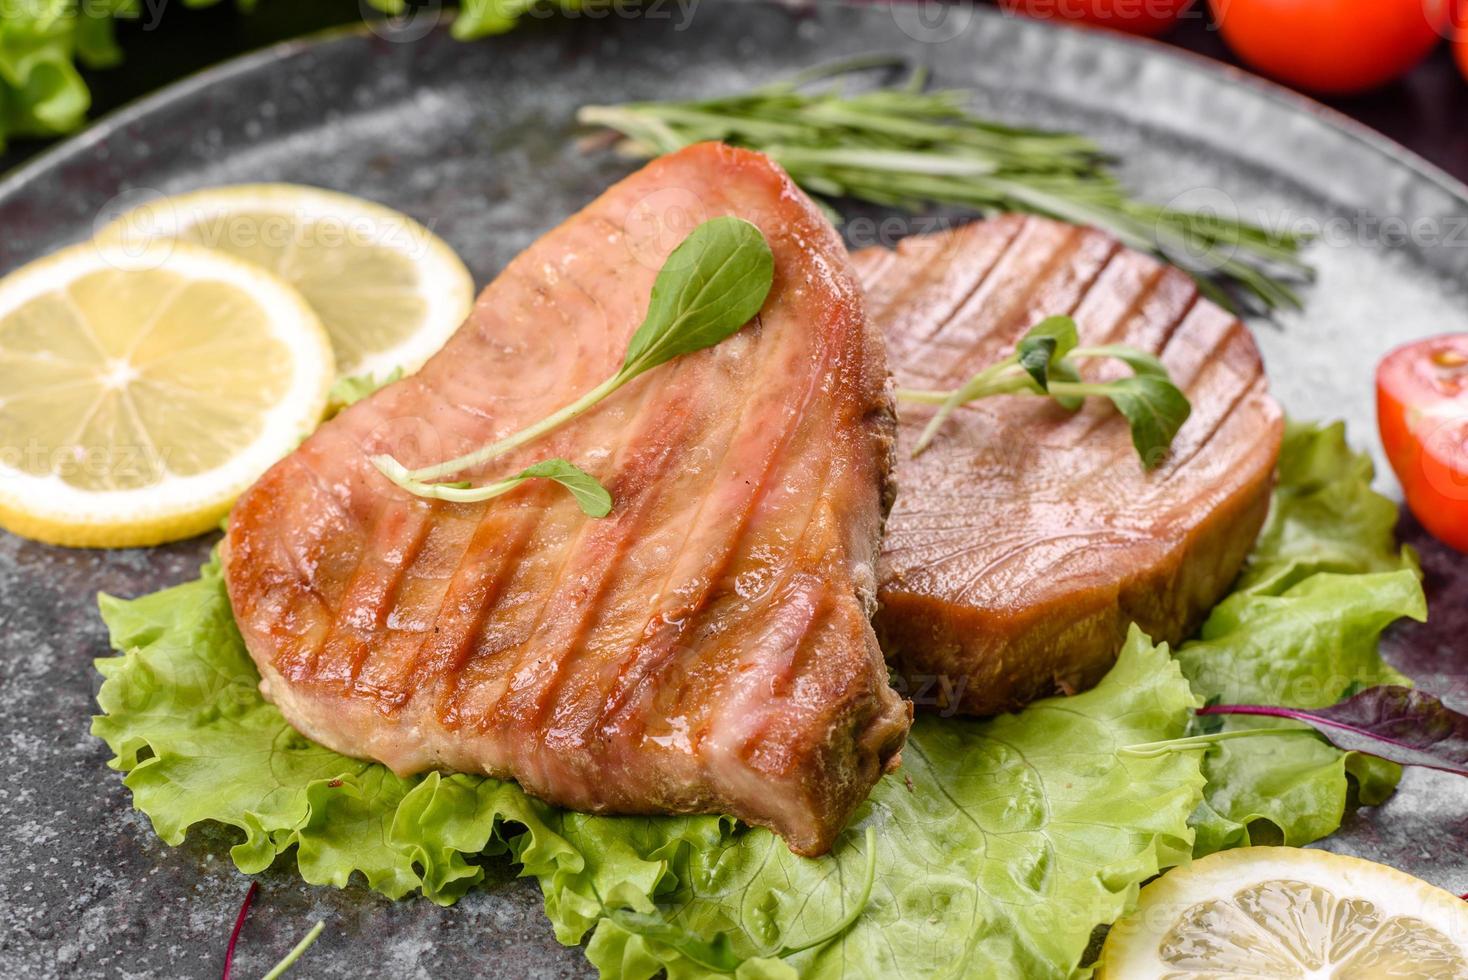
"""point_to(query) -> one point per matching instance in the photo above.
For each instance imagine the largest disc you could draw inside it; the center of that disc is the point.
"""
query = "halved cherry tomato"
(1332, 46)
(1422, 409)
(1148, 17)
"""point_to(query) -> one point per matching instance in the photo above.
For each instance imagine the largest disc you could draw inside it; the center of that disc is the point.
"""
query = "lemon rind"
(1130, 952)
(447, 287)
(48, 509)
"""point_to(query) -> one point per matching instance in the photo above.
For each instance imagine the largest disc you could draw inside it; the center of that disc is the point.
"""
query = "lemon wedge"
(142, 390)
(388, 290)
(1285, 912)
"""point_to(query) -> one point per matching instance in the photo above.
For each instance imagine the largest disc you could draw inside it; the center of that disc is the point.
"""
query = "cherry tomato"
(1332, 46)
(1459, 35)
(1148, 17)
(1422, 409)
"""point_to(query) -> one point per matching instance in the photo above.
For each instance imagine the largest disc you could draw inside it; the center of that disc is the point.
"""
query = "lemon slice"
(1285, 912)
(388, 290)
(141, 392)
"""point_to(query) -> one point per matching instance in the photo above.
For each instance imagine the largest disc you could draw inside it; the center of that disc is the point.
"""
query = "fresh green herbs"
(346, 392)
(588, 491)
(1005, 843)
(901, 146)
(1043, 363)
(712, 284)
(43, 42)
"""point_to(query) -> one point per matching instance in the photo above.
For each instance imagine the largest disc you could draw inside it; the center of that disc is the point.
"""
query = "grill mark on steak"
(706, 647)
(479, 658)
(528, 698)
(663, 641)
(1003, 301)
(928, 280)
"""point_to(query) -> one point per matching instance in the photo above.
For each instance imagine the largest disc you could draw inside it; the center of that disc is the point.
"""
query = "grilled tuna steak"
(705, 648)
(1026, 539)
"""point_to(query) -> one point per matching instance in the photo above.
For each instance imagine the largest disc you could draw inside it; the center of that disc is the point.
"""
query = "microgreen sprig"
(902, 145)
(1043, 363)
(711, 285)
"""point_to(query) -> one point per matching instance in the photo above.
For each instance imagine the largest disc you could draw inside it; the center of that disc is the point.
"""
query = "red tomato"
(1422, 409)
(1460, 36)
(1149, 17)
(1332, 46)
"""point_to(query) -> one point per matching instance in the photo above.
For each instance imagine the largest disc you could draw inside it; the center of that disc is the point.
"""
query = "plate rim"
(1135, 47)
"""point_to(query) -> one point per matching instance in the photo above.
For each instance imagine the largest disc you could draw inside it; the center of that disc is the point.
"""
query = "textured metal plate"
(478, 142)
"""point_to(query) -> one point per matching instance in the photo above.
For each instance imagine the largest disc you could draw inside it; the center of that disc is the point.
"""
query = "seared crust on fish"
(706, 647)
(1026, 539)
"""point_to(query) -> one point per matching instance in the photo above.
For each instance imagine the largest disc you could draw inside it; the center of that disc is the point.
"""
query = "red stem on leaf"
(239, 923)
(1245, 709)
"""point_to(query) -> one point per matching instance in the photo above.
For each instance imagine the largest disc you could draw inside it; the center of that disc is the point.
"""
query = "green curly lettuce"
(1302, 629)
(998, 842)
(42, 92)
(183, 714)
(999, 846)
(994, 850)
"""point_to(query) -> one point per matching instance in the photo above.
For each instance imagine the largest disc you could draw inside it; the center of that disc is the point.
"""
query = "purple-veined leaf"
(1406, 726)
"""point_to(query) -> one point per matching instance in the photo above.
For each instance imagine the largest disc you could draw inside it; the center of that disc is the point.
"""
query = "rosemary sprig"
(903, 146)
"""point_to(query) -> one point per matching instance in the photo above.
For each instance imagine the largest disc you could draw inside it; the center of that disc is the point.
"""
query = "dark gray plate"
(478, 142)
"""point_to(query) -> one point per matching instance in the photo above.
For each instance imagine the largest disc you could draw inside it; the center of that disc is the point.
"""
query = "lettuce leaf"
(346, 392)
(998, 842)
(1302, 629)
(41, 91)
(43, 94)
(999, 846)
(184, 716)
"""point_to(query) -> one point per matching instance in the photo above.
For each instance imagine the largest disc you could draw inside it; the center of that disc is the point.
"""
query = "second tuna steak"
(1026, 539)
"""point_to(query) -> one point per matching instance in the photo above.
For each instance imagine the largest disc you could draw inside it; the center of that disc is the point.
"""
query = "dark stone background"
(1423, 111)
(475, 141)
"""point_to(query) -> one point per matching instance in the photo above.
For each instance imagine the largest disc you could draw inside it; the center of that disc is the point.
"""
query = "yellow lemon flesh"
(1284, 913)
(388, 291)
(142, 391)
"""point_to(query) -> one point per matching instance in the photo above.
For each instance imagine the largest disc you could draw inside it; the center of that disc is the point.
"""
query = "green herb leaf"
(1154, 407)
(590, 494)
(712, 284)
(1140, 361)
(1045, 344)
(594, 499)
(1044, 364)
